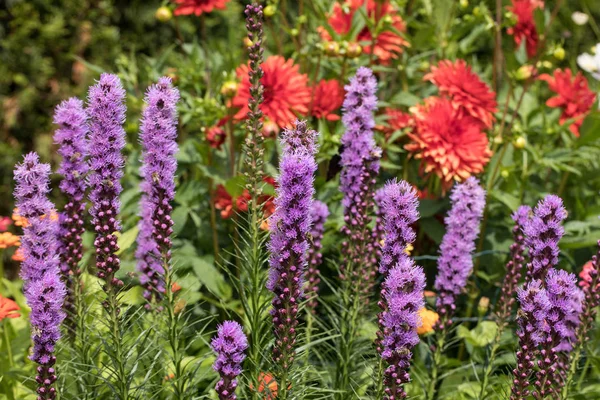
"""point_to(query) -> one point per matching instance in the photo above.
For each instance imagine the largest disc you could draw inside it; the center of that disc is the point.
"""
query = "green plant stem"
(256, 317)
(7, 344)
(586, 367)
(436, 364)
(308, 338)
(490, 363)
(82, 343)
(121, 384)
(174, 332)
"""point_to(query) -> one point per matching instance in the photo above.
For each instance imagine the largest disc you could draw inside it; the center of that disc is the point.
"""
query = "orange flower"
(198, 7)
(19, 221)
(286, 91)
(175, 287)
(395, 121)
(18, 255)
(525, 28)
(328, 97)
(449, 144)
(267, 385)
(7, 239)
(8, 308)
(5, 222)
(428, 320)
(388, 44)
(572, 95)
(469, 94)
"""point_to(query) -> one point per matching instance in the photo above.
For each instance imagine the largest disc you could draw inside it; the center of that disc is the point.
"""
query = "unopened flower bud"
(331, 48)
(483, 306)
(163, 14)
(270, 10)
(559, 53)
(247, 42)
(229, 88)
(520, 142)
(524, 72)
(353, 50)
(464, 3)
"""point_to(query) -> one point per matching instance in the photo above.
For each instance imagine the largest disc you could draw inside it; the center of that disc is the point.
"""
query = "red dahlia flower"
(197, 7)
(327, 97)
(215, 135)
(286, 91)
(572, 95)
(525, 28)
(395, 121)
(469, 94)
(448, 142)
(388, 44)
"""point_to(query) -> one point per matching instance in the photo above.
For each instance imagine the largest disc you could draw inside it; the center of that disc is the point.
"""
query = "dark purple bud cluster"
(229, 345)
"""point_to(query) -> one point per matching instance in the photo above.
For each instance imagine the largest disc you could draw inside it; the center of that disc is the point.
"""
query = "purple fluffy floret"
(106, 113)
(230, 345)
(158, 138)
(566, 301)
(455, 263)
(299, 137)
(398, 206)
(543, 231)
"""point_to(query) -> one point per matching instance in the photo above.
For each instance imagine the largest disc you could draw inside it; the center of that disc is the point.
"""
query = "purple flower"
(403, 294)
(319, 213)
(107, 139)
(289, 245)
(455, 263)
(158, 138)
(532, 330)
(360, 165)
(514, 267)
(73, 148)
(44, 290)
(230, 345)
(542, 234)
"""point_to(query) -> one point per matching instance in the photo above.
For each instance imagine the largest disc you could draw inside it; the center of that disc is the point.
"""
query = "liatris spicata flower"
(373, 250)
(532, 331)
(403, 294)
(514, 267)
(44, 290)
(230, 345)
(158, 138)
(542, 234)
(455, 263)
(107, 139)
(288, 244)
(319, 213)
(360, 165)
(566, 301)
(71, 138)
(254, 140)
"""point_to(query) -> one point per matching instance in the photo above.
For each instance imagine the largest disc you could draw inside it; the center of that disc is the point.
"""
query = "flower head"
(198, 7)
(449, 143)
(455, 263)
(395, 121)
(8, 239)
(542, 232)
(230, 345)
(572, 95)
(566, 305)
(8, 308)
(469, 94)
(216, 135)
(524, 29)
(286, 92)
(389, 44)
(428, 320)
(326, 97)
(591, 63)
(5, 222)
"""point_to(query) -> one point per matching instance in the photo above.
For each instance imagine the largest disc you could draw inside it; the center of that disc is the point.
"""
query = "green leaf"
(428, 207)
(507, 199)
(405, 99)
(126, 239)
(590, 130)
(483, 334)
(235, 186)
(133, 296)
(210, 277)
(433, 228)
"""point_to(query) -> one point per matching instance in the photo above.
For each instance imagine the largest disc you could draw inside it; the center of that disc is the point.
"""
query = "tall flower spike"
(70, 136)
(107, 139)
(542, 234)
(455, 263)
(373, 249)
(254, 140)
(44, 290)
(566, 301)
(230, 345)
(360, 166)
(514, 267)
(403, 288)
(319, 213)
(288, 244)
(532, 331)
(158, 138)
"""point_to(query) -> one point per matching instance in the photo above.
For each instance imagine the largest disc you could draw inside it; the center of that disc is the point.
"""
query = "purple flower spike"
(158, 138)
(289, 245)
(455, 263)
(71, 138)
(403, 294)
(319, 213)
(230, 345)
(360, 166)
(532, 330)
(107, 139)
(44, 290)
(542, 234)
(514, 267)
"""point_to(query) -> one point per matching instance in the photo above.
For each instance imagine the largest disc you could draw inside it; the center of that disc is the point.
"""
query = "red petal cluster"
(197, 7)
(525, 28)
(327, 97)
(286, 91)
(215, 135)
(572, 95)
(450, 143)
(395, 121)
(227, 205)
(388, 44)
(469, 94)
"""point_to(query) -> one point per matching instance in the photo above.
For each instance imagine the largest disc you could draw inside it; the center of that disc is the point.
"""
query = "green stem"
(435, 367)
(174, 332)
(7, 343)
(121, 383)
(489, 367)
